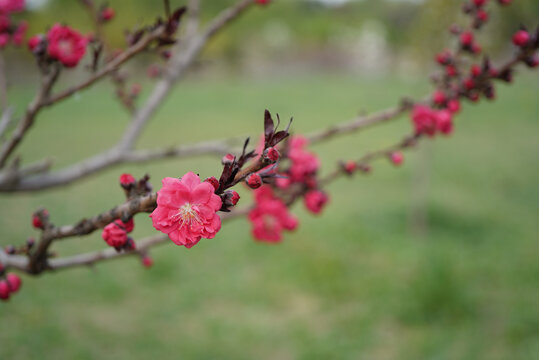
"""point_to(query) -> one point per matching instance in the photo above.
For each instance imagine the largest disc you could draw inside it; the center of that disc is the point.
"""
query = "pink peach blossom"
(270, 217)
(66, 45)
(187, 210)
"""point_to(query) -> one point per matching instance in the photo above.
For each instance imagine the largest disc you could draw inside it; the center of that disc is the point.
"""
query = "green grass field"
(354, 283)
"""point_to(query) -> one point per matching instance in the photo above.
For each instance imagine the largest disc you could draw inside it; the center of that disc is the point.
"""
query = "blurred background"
(437, 259)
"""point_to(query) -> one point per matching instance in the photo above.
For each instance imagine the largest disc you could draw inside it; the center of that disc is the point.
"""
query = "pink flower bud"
(521, 38)
(453, 105)
(439, 97)
(254, 181)
(451, 71)
(444, 122)
(4, 290)
(115, 233)
(475, 70)
(479, 3)
(315, 200)
(482, 15)
(36, 222)
(469, 84)
(263, 2)
(147, 261)
(350, 167)
(37, 219)
(397, 158)
(14, 282)
(466, 38)
(532, 61)
(127, 180)
(231, 198)
(444, 58)
(271, 155)
(107, 14)
(228, 159)
(34, 41)
(213, 181)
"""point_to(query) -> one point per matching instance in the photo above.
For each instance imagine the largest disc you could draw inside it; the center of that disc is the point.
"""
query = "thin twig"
(27, 121)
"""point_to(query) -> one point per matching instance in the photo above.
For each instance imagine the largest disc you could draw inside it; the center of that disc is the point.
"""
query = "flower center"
(65, 46)
(187, 214)
(269, 222)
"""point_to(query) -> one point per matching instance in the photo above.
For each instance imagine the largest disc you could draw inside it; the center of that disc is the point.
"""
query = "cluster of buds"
(10, 283)
(9, 30)
(116, 233)
(469, 83)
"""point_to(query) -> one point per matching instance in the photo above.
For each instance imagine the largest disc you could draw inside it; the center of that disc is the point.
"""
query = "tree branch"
(183, 56)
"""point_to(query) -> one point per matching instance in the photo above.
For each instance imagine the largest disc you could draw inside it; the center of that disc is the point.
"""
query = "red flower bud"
(34, 41)
(532, 61)
(479, 3)
(315, 200)
(147, 261)
(127, 180)
(4, 290)
(521, 38)
(37, 219)
(469, 84)
(466, 38)
(107, 14)
(453, 106)
(444, 58)
(482, 15)
(36, 222)
(14, 282)
(213, 181)
(451, 71)
(439, 97)
(228, 159)
(350, 167)
(397, 158)
(475, 70)
(231, 198)
(254, 181)
(271, 155)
